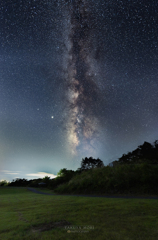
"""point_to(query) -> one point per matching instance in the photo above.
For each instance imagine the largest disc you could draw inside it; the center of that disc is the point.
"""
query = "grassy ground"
(45, 190)
(26, 215)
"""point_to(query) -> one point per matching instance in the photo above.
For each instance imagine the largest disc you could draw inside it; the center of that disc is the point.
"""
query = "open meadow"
(27, 215)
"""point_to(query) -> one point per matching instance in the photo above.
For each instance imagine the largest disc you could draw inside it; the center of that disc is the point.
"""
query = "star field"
(77, 78)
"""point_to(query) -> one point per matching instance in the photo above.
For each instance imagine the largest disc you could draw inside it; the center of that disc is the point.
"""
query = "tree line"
(136, 172)
(63, 175)
(145, 153)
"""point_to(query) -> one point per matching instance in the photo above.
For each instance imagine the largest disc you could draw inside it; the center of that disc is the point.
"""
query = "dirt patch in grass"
(48, 226)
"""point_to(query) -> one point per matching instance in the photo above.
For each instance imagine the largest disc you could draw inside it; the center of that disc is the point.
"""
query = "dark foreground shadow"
(104, 196)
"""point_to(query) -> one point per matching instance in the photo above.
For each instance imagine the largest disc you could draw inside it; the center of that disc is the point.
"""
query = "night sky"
(78, 78)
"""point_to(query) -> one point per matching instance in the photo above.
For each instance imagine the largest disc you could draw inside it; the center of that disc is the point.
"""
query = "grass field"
(26, 215)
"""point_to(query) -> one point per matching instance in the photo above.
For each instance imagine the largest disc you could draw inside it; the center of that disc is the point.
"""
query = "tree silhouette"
(88, 163)
(145, 153)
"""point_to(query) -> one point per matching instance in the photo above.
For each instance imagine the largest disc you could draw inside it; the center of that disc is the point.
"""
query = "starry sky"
(78, 78)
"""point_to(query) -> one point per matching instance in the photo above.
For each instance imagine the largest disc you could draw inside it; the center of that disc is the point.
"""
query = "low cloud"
(10, 172)
(41, 175)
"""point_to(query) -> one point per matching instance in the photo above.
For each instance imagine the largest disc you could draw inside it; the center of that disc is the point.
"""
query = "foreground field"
(26, 215)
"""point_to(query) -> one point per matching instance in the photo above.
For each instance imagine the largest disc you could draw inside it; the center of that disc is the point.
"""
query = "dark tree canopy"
(88, 163)
(144, 153)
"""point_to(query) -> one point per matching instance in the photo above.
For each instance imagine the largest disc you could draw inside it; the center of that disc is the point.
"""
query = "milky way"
(82, 91)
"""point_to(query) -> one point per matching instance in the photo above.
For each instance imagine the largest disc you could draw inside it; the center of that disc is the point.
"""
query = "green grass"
(24, 213)
(45, 190)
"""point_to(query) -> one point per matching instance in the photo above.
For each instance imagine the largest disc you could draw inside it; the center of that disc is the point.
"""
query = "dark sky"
(78, 78)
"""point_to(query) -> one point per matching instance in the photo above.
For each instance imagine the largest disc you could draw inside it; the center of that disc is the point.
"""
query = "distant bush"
(3, 183)
(136, 178)
(18, 182)
(63, 176)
